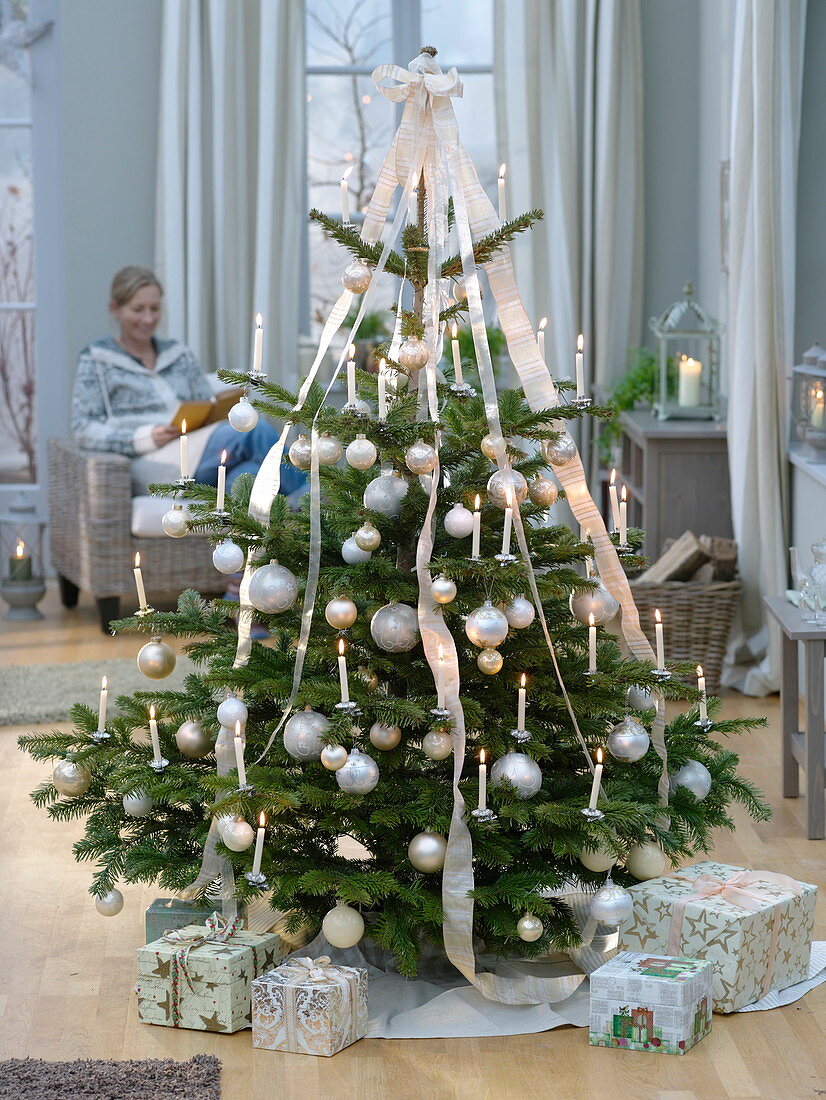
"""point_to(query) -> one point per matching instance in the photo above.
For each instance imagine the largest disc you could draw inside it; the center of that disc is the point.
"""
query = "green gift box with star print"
(754, 926)
(211, 992)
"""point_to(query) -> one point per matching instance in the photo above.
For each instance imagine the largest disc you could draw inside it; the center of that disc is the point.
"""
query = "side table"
(802, 750)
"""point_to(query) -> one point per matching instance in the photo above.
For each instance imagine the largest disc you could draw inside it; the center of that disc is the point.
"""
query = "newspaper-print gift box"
(309, 1006)
(754, 926)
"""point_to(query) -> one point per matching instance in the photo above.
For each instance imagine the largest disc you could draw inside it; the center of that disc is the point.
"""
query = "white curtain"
(765, 126)
(230, 196)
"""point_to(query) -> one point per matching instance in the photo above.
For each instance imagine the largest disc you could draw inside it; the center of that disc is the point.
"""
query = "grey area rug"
(44, 693)
(32, 1079)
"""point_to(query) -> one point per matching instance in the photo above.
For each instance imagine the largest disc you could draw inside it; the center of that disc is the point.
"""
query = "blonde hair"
(129, 280)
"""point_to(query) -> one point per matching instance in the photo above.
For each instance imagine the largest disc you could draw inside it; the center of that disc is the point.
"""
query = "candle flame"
(658, 616)
(542, 324)
(591, 619)
(523, 680)
(580, 342)
(382, 364)
(819, 395)
(699, 670)
(689, 362)
(503, 168)
(137, 561)
(476, 505)
(238, 727)
(454, 330)
(613, 478)
(259, 321)
(103, 684)
(341, 647)
(21, 546)
(262, 819)
(352, 351)
(346, 174)
(223, 458)
(508, 496)
(599, 756)
(482, 756)
(183, 427)
(152, 712)
(441, 652)
(624, 494)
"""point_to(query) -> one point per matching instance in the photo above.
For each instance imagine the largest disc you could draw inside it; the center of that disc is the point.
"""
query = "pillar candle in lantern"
(239, 756)
(20, 563)
(592, 644)
(483, 782)
(701, 687)
(818, 410)
(104, 695)
(477, 530)
(688, 390)
(503, 206)
(258, 344)
(139, 583)
(342, 672)
(614, 499)
(457, 358)
(520, 716)
(222, 482)
(595, 785)
(184, 452)
(658, 633)
(345, 196)
(259, 846)
(580, 368)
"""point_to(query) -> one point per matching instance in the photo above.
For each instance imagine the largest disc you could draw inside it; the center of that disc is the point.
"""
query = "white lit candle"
(139, 583)
(585, 536)
(580, 368)
(382, 389)
(153, 733)
(222, 482)
(104, 695)
(623, 518)
(258, 344)
(259, 846)
(520, 717)
(503, 206)
(592, 804)
(614, 499)
(440, 679)
(818, 411)
(345, 196)
(506, 527)
(688, 390)
(239, 756)
(540, 338)
(351, 376)
(483, 782)
(477, 530)
(342, 672)
(701, 687)
(457, 358)
(184, 452)
(592, 644)
(413, 206)
(658, 632)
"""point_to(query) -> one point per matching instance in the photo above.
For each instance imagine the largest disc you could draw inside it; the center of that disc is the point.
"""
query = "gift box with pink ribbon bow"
(754, 926)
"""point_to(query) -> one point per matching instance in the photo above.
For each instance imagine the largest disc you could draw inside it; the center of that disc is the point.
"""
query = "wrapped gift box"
(309, 1006)
(754, 926)
(166, 913)
(189, 980)
(657, 1003)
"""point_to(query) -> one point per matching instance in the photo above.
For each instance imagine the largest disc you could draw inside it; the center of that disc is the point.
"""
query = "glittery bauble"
(368, 537)
(238, 835)
(232, 710)
(486, 626)
(530, 928)
(243, 416)
(490, 449)
(333, 757)
(273, 588)
(174, 522)
(639, 698)
(329, 450)
(356, 277)
(304, 735)
(343, 926)
(498, 484)
(542, 491)
(359, 773)
(420, 457)
(520, 613)
(426, 851)
(395, 628)
(646, 860)
(192, 741)
(156, 659)
(353, 553)
(628, 741)
(384, 737)
(597, 602)
(490, 661)
(695, 777)
(520, 771)
(459, 521)
(228, 557)
(412, 354)
(612, 905)
(385, 494)
(300, 452)
(341, 612)
(361, 453)
(442, 589)
(437, 744)
(597, 859)
(71, 778)
(137, 803)
(110, 904)
(561, 451)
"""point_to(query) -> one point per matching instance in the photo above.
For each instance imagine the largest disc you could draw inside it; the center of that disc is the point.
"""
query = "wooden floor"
(66, 973)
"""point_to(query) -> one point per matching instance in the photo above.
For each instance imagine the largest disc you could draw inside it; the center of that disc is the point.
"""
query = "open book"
(198, 413)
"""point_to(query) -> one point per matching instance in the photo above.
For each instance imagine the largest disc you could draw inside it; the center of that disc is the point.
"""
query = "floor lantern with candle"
(22, 582)
(688, 346)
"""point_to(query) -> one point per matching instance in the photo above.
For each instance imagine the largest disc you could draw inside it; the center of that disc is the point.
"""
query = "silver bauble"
(343, 926)
(628, 741)
(110, 904)
(486, 626)
(329, 450)
(156, 659)
(228, 557)
(459, 521)
(361, 453)
(530, 928)
(490, 661)
(174, 522)
(639, 698)
(353, 553)
(561, 451)
(597, 859)
(491, 449)
(273, 588)
(426, 851)
(238, 835)
(420, 457)
(646, 860)
(362, 406)
(437, 744)
(367, 537)
(597, 602)
(695, 777)
(243, 416)
(300, 452)
(359, 773)
(333, 757)
(356, 277)
(412, 354)
(384, 737)
(520, 613)
(523, 773)
(442, 589)
(385, 494)
(612, 905)
(341, 612)
(232, 710)
(192, 741)
(395, 628)
(137, 803)
(71, 778)
(304, 735)
(542, 491)
(498, 483)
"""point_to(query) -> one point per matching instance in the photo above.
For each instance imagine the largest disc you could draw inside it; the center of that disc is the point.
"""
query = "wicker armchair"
(92, 544)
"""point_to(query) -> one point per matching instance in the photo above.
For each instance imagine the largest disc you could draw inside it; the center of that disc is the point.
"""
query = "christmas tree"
(423, 615)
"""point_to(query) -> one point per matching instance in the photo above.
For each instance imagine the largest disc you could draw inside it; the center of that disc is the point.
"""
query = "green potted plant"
(637, 387)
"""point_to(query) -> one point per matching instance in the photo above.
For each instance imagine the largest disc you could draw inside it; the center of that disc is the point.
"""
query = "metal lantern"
(809, 404)
(21, 559)
(688, 341)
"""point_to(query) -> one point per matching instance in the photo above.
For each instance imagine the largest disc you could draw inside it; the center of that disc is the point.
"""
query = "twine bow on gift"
(218, 930)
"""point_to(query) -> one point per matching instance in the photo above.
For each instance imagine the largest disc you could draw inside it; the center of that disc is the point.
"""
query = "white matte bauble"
(490, 661)
(362, 406)
(192, 741)
(137, 803)
(356, 277)
(353, 553)
(341, 612)
(385, 494)
(459, 521)
(156, 659)
(304, 735)
(542, 491)
(561, 451)
(628, 741)
(300, 452)
(343, 926)
(597, 602)
(520, 613)
(520, 771)
(224, 820)
(273, 589)
(646, 860)
(333, 757)
(395, 628)
(228, 557)
(426, 851)
(695, 777)
(232, 710)
(384, 737)
(420, 457)
(368, 537)
(437, 744)
(329, 450)
(359, 773)
(498, 484)
(412, 354)
(486, 626)
(71, 778)
(492, 448)
(243, 416)
(612, 905)
(598, 859)
(442, 589)
(530, 928)
(361, 454)
(110, 904)
(639, 698)
(174, 522)
(238, 835)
